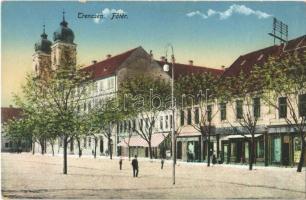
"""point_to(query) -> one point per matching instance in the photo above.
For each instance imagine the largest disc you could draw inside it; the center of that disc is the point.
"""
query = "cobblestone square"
(40, 176)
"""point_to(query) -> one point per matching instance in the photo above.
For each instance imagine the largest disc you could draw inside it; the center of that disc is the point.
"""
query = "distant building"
(10, 113)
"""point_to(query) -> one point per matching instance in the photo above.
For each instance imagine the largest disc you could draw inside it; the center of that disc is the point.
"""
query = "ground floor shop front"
(276, 147)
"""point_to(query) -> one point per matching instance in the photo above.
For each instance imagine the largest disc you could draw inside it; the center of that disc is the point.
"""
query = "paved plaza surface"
(40, 176)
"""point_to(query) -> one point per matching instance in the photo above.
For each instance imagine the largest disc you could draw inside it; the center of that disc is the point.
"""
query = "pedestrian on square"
(120, 163)
(135, 166)
(162, 163)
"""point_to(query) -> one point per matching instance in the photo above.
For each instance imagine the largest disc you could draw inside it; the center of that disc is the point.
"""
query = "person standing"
(162, 163)
(135, 166)
(120, 163)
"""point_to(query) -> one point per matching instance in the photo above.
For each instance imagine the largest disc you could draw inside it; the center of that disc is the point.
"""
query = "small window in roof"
(242, 63)
(260, 57)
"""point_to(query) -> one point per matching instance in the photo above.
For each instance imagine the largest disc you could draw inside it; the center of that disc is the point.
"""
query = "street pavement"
(40, 176)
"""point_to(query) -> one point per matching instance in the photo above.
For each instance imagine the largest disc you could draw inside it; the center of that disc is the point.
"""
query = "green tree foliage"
(143, 98)
(51, 105)
(191, 91)
(285, 76)
(244, 88)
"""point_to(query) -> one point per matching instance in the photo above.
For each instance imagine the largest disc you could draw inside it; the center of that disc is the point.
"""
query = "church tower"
(42, 55)
(63, 52)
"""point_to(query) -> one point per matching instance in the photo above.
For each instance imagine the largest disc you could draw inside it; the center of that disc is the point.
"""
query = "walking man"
(135, 166)
(162, 163)
(120, 163)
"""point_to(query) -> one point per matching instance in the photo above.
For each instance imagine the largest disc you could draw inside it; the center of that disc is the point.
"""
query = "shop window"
(302, 105)
(256, 107)
(179, 150)
(233, 149)
(121, 127)
(297, 149)
(141, 124)
(161, 123)
(134, 124)
(196, 116)
(260, 149)
(125, 126)
(276, 150)
(189, 119)
(209, 112)
(239, 109)
(282, 105)
(6, 145)
(223, 111)
(166, 122)
(182, 118)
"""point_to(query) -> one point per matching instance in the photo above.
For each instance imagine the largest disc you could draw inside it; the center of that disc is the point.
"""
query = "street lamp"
(166, 69)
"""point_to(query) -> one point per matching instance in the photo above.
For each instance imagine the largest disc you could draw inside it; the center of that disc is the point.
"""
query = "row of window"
(282, 104)
(130, 125)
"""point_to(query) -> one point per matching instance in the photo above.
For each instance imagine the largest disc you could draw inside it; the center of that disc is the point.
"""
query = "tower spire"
(64, 23)
(63, 15)
(44, 35)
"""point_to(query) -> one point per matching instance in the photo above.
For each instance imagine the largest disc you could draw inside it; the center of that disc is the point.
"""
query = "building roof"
(246, 62)
(10, 113)
(108, 66)
(185, 69)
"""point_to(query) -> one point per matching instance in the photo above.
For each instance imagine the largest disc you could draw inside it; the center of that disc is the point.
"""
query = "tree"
(103, 120)
(143, 98)
(199, 92)
(57, 99)
(243, 95)
(284, 78)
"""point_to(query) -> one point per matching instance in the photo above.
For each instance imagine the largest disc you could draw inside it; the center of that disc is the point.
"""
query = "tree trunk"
(150, 151)
(52, 146)
(95, 153)
(129, 152)
(42, 147)
(65, 155)
(301, 162)
(79, 146)
(251, 154)
(208, 150)
(33, 148)
(110, 149)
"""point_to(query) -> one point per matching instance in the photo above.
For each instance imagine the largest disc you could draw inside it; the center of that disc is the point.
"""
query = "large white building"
(276, 143)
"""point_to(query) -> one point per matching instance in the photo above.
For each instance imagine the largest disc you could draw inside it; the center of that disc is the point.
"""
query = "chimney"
(191, 62)
(223, 67)
(163, 58)
(93, 62)
(108, 56)
(151, 54)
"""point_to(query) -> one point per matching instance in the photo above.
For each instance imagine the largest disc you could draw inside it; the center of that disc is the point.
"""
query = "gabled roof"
(108, 66)
(10, 113)
(184, 69)
(246, 62)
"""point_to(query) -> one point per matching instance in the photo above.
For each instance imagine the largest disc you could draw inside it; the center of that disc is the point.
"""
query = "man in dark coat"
(135, 166)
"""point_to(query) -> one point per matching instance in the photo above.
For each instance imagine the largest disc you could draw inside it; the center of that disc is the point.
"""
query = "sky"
(211, 34)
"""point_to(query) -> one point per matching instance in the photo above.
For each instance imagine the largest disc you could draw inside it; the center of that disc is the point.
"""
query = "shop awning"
(240, 136)
(137, 141)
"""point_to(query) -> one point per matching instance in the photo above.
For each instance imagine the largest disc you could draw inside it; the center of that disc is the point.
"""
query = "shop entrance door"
(285, 153)
(239, 151)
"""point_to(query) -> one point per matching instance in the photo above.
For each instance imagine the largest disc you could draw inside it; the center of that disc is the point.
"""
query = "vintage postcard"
(153, 99)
